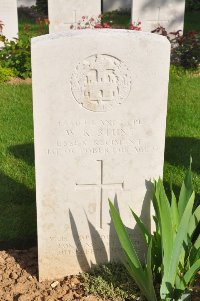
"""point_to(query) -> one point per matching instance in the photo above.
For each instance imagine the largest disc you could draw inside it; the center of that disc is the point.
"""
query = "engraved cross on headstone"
(74, 22)
(101, 186)
(158, 20)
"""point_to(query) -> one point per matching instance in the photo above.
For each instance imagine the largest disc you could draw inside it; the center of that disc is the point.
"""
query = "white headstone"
(99, 122)
(166, 13)
(110, 5)
(64, 13)
(8, 16)
(26, 3)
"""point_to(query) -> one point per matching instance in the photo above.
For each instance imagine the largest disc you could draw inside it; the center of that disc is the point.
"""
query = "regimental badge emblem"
(100, 83)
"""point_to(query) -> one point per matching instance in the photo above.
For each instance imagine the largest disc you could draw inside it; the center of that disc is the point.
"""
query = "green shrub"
(5, 74)
(110, 281)
(173, 256)
(185, 48)
(16, 55)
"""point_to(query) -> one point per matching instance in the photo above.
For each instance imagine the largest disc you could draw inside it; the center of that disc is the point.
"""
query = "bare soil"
(18, 281)
(17, 80)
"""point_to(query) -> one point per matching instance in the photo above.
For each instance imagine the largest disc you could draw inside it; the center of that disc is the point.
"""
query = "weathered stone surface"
(99, 121)
(63, 14)
(152, 14)
(8, 15)
(110, 5)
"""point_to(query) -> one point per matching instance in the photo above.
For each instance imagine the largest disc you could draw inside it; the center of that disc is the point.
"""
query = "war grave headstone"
(8, 16)
(166, 13)
(111, 5)
(99, 124)
(65, 13)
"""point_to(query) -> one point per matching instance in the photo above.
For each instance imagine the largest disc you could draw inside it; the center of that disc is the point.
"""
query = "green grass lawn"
(183, 129)
(17, 185)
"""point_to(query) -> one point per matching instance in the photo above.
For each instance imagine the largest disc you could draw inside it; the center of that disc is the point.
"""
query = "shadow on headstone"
(97, 243)
(82, 259)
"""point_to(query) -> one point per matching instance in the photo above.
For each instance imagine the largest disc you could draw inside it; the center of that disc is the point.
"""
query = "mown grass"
(17, 184)
(183, 128)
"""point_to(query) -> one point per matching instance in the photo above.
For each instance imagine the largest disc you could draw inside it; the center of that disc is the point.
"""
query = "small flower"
(98, 26)
(106, 25)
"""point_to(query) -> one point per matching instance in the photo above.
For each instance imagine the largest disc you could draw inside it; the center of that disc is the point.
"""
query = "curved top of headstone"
(94, 32)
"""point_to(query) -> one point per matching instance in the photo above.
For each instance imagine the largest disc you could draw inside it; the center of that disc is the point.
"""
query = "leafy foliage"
(173, 256)
(15, 55)
(5, 74)
(185, 48)
(110, 281)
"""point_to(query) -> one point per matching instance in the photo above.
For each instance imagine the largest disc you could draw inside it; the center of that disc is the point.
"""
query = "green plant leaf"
(192, 271)
(138, 275)
(145, 233)
(197, 243)
(186, 191)
(132, 263)
(194, 220)
(170, 274)
(174, 212)
(164, 218)
(180, 284)
(124, 239)
(151, 289)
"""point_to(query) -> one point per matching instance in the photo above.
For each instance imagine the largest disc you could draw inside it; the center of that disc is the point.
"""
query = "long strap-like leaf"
(186, 191)
(124, 239)
(170, 274)
(192, 271)
(133, 265)
(143, 230)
